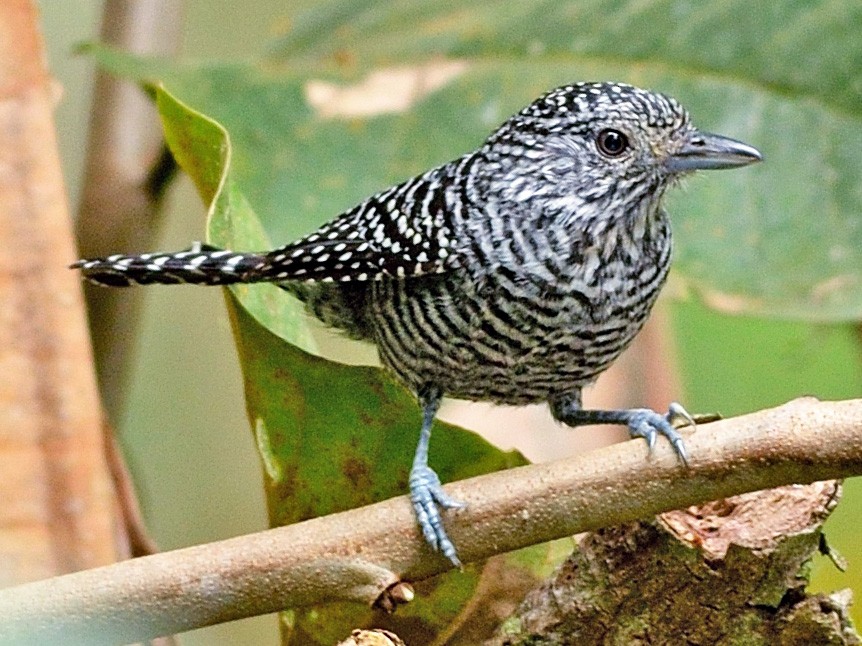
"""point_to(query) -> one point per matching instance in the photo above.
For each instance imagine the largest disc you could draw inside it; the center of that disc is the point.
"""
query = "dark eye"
(612, 143)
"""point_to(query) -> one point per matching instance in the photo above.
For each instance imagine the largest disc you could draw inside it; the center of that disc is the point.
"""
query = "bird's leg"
(641, 422)
(426, 493)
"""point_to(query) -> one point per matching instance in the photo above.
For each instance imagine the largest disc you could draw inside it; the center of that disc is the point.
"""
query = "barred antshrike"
(514, 274)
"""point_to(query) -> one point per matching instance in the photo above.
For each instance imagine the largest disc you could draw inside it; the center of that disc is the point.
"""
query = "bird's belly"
(493, 346)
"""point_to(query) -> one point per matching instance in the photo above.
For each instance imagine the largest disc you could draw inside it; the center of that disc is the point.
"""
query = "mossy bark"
(727, 572)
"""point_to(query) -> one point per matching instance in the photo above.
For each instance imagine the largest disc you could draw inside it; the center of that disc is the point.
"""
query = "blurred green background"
(185, 429)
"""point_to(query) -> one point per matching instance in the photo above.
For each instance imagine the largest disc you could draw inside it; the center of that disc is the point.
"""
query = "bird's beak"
(705, 151)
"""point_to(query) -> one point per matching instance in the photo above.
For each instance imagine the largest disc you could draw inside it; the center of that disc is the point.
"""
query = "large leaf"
(783, 238)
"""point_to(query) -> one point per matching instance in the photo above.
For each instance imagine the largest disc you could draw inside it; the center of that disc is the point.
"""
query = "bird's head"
(604, 144)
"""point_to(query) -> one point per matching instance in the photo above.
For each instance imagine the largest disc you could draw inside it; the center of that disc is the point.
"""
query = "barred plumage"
(516, 273)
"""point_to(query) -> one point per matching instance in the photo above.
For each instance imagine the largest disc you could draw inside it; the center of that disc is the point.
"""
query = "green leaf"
(203, 149)
(783, 238)
(333, 436)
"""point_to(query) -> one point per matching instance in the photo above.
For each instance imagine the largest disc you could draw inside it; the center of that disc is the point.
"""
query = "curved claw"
(640, 426)
(648, 424)
(427, 496)
(679, 416)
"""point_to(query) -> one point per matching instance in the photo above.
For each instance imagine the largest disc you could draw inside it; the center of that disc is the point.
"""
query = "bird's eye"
(612, 143)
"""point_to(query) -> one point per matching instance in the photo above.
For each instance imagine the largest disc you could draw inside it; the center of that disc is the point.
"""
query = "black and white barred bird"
(515, 274)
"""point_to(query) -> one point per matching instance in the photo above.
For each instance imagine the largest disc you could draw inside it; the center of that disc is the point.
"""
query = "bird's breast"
(523, 322)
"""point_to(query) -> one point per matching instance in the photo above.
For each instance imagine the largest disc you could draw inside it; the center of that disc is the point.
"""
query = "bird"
(514, 274)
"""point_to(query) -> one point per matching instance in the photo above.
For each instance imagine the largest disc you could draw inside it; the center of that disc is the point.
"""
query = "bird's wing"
(403, 231)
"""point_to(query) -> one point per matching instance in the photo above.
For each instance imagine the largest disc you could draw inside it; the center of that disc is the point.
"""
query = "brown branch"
(57, 512)
(358, 555)
(124, 179)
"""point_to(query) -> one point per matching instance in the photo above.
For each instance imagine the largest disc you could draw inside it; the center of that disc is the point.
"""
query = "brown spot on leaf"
(357, 472)
(344, 58)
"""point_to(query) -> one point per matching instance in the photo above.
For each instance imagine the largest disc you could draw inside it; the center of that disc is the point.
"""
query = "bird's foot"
(648, 424)
(428, 498)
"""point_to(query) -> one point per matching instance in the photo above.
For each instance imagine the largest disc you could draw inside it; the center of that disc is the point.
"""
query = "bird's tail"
(198, 265)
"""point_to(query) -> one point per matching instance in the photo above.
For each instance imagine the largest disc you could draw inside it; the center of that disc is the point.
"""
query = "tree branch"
(360, 554)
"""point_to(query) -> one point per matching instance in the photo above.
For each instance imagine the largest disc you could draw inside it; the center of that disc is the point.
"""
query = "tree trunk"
(58, 511)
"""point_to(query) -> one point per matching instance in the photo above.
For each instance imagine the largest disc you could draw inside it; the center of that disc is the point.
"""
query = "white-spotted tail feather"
(199, 265)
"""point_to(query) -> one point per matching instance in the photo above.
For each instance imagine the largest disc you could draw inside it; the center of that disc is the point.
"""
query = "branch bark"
(728, 572)
(361, 554)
